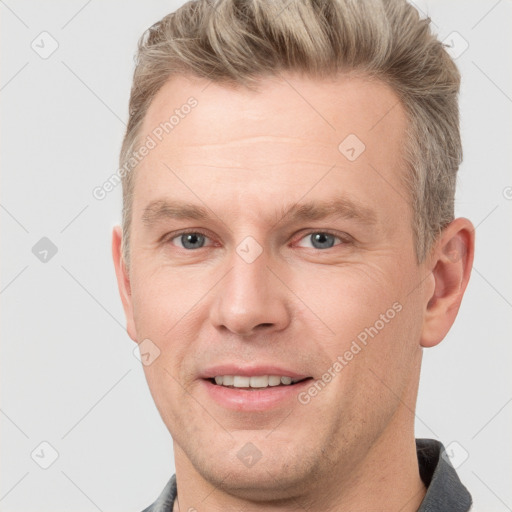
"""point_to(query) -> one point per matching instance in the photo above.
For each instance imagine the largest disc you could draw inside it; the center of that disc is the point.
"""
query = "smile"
(255, 381)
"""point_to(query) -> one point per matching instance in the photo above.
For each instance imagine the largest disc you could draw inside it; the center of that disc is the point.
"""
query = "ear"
(450, 264)
(123, 281)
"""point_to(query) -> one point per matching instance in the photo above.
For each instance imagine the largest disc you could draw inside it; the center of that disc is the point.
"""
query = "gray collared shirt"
(445, 492)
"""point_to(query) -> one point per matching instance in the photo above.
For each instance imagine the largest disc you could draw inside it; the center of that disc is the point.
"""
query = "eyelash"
(345, 239)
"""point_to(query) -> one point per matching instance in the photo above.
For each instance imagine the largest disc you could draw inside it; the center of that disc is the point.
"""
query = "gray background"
(68, 373)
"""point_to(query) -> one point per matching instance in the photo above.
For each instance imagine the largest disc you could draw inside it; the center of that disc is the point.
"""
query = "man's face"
(270, 281)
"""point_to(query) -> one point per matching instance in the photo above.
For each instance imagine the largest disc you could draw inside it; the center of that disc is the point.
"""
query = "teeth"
(259, 381)
(241, 382)
(273, 380)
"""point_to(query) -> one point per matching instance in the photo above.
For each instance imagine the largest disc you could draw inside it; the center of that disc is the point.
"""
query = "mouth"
(262, 386)
(253, 389)
(255, 382)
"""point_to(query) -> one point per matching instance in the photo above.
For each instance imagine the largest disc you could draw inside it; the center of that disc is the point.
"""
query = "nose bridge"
(249, 296)
(249, 276)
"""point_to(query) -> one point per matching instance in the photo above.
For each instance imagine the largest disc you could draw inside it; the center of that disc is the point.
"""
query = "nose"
(250, 299)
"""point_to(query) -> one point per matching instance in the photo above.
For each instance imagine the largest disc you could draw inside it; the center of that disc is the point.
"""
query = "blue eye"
(191, 240)
(320, 240)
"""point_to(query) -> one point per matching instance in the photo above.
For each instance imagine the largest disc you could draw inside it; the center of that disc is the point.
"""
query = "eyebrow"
(339, 208)
(162, 209)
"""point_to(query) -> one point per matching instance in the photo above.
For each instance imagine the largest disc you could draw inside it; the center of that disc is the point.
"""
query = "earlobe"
(123, 281)
(450, 271)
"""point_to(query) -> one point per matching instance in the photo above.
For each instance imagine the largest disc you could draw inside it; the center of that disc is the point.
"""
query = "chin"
(257, 484)
(274, 471)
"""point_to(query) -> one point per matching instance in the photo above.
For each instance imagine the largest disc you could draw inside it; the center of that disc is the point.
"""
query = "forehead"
(284, 137)
(295, 109)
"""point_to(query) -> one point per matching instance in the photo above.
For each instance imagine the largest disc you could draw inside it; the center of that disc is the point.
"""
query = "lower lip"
(255, 400)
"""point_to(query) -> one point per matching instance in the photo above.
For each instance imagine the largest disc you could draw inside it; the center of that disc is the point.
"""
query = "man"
(289, 248)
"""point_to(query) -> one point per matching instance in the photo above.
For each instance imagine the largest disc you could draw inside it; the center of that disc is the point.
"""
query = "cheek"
(377, 362)
(168, 310)
(168, 394)
(373, 324)
(161, 299)
(351, 299)
(381, 373)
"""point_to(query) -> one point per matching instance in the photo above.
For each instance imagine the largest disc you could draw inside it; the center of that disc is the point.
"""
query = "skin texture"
(246, 157)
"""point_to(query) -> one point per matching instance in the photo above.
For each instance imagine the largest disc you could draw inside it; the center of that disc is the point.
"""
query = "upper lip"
(249, 371)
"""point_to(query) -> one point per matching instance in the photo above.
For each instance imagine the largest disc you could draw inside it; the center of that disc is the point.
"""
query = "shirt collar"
(445, 491)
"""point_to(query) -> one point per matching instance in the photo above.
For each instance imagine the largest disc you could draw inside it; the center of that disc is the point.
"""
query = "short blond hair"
(238, 42)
